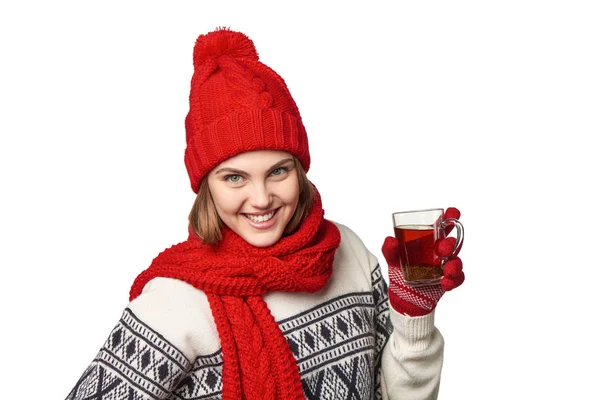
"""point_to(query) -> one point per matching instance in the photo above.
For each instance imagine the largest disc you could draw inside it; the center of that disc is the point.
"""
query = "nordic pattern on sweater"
(337, 346)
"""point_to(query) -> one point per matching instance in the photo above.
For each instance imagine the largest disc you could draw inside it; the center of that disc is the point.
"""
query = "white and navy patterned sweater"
(347, 342)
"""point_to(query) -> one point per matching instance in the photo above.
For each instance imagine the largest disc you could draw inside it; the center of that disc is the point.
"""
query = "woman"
(266, 299)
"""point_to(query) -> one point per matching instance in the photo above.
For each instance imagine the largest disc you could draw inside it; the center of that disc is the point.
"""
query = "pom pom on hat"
(237, 104)
(223, 42)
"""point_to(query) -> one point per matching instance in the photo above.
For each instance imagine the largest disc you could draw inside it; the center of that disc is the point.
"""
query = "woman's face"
(256, 194)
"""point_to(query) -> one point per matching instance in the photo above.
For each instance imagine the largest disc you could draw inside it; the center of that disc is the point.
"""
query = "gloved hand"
(417, 301)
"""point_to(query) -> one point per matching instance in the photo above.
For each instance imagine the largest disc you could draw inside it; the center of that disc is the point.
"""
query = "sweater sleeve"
(410, 360)
(135, 362)
(409, 350)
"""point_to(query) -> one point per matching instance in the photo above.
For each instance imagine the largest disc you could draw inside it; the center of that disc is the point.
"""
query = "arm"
(135, 363)
(165, 338)
(415, 350)
(410, 349)
(412, 360)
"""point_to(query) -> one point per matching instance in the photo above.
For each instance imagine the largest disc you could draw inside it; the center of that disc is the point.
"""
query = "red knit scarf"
(257, 360)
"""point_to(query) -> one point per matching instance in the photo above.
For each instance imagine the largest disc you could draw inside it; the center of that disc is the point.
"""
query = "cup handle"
(459, 233)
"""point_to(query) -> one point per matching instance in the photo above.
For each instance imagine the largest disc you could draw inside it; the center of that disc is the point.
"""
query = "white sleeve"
(411, 362)
(409, 349)
(136, 362)
(151, 352)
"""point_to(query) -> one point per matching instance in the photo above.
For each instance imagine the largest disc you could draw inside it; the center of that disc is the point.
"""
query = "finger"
(453, 268)
(445, 247)
(451, 213)
(449, 284)
(390, 250)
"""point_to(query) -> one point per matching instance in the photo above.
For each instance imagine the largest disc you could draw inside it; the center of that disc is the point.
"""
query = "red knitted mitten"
(417, 301)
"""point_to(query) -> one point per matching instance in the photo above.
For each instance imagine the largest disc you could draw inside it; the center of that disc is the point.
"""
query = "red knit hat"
(237, 104)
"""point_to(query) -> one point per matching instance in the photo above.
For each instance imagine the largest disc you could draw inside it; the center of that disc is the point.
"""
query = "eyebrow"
(240, 172)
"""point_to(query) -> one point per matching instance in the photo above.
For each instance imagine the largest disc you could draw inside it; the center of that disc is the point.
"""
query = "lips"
(262, 221)
(260, 218)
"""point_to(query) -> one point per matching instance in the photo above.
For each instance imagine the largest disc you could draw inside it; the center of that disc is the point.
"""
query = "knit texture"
(257, 360)
(419, 301)
(237, 104)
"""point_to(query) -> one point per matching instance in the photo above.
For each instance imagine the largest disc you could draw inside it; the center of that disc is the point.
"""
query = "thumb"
(390, 250)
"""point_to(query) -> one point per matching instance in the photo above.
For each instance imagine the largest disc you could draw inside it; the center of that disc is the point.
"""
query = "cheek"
(225, 201)
(290, 192)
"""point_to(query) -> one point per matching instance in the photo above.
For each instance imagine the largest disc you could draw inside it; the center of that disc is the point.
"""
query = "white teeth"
(260, 218)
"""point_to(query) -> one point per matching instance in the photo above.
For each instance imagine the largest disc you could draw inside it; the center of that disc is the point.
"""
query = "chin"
(262, 240)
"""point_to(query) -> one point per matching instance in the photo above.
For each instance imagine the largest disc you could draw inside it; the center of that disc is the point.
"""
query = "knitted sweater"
(347, 342)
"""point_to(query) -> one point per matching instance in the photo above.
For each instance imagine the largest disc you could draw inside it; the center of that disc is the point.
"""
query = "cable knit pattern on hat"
(237, 104)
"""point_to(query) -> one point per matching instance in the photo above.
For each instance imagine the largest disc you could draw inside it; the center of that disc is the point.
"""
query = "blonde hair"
(206, 223)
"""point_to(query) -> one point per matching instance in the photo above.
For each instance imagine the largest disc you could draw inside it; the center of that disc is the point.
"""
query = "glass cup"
(417, 233)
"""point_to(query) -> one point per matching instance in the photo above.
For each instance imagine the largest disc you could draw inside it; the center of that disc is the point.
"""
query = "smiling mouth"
(261, 218)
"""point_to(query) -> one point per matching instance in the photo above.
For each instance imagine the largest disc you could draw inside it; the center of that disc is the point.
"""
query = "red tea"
(417, 257)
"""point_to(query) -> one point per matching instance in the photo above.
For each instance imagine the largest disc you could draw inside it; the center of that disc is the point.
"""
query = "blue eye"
(233, 178)
(279, 171)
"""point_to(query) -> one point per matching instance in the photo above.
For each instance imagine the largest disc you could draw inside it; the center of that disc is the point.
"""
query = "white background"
(492, 107)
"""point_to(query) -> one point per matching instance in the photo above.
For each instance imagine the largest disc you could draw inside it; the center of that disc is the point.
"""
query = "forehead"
(254, 160)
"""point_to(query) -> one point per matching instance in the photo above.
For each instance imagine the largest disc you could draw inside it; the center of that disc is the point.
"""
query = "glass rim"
(419, 211)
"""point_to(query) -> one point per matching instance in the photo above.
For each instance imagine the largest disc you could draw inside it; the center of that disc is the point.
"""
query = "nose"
(260, 196)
